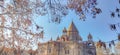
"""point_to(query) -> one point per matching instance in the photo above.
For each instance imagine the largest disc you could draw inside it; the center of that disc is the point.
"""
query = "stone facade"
(69, 43)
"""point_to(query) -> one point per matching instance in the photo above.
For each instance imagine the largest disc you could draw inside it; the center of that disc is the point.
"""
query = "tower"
(90, 37)
(90, 48)
(64, 31)
(73, 33)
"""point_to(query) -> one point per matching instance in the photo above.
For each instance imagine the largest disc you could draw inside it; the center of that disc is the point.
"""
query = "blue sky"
(98, 27)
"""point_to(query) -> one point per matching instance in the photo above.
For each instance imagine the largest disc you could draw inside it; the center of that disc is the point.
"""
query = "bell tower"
(90, 38)
(90, 48)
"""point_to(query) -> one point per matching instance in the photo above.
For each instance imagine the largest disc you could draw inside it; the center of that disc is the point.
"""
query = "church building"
(69, 43)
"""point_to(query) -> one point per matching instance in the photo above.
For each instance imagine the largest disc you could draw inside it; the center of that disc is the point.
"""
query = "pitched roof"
(89, 36)
(64, 30)
(72, 28)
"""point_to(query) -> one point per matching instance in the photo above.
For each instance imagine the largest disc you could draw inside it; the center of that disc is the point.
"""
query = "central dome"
(72, 28)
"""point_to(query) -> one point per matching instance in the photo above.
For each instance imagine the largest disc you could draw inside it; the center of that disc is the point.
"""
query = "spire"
(89, 36)
(72, 28)
(58, 38)
(64, 30)
(72, 33)
(51, 39)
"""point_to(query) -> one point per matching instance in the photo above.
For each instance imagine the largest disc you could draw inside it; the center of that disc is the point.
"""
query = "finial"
(51, 39)
(64, 30)
(89, 36)
(58, 37)
(72, 21)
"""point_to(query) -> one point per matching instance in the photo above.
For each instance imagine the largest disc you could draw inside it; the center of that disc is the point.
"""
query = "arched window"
(41, 50)
(49, 50)
(90, 52)
(90, 44)
(67, 50)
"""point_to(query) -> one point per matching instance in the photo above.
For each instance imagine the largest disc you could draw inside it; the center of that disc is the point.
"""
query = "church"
(69, 43)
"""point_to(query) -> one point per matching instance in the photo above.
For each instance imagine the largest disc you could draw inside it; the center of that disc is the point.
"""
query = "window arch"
(90, 52)
(42, 50)
(49, 50)
(67, 50)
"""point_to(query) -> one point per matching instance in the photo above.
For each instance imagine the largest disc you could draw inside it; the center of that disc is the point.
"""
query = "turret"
(90, 37)
(64, 31)
(51, 39)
